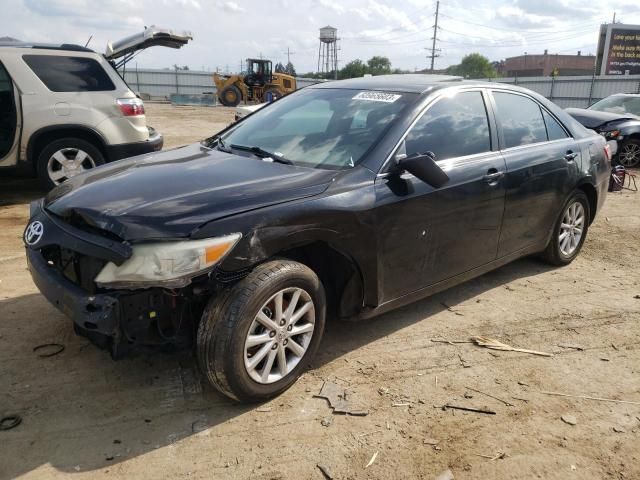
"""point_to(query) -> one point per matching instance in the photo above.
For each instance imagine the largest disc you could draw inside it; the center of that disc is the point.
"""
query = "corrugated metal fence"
(565, 91)
(158, 84)
(576, 91)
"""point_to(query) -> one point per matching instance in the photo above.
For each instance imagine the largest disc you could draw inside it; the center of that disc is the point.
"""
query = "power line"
(493, 27)
(515, 44)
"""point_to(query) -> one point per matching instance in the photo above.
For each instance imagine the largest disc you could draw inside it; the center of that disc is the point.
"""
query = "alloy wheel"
(571, 228)
(279, 335)
(630, 155)
(67, 163)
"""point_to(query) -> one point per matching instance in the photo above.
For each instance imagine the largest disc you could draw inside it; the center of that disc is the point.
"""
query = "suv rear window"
(69, 74)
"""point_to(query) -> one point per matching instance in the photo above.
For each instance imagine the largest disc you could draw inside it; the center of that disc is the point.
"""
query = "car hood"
(596, 118)
(170, 194)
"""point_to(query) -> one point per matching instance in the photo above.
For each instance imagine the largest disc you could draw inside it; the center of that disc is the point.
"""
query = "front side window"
(520, 119)
(453, 127)
(321, 127)
(69, 74)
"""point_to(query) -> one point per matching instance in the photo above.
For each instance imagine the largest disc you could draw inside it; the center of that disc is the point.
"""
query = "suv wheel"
(569, 232)
(257, 338)
(66, 158)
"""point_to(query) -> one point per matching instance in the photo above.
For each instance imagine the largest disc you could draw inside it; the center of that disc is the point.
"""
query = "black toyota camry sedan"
(345, 199)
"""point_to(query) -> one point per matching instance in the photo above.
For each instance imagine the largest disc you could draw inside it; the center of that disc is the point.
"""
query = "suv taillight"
(607, 152)
(130, 107)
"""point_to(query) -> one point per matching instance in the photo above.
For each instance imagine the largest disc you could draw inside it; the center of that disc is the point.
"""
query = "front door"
(9, 120)
(425, 234)
(541, 158)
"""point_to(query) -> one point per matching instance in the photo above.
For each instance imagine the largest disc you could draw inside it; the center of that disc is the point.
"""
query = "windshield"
(320, 128)
(618, 104)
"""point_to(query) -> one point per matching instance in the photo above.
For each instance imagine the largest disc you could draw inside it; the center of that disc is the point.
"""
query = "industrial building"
(546, 64)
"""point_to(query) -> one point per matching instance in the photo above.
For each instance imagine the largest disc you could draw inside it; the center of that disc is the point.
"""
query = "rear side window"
(520, 119)
(554, 130)
(69, 74)
(453, 127)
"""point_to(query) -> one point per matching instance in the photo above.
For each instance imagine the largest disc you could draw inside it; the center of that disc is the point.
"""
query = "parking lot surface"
(152, 416)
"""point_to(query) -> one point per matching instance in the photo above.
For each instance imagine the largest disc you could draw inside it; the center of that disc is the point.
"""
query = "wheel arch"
(592, 195)
(349, 285)
(41, 138)
(339, 273)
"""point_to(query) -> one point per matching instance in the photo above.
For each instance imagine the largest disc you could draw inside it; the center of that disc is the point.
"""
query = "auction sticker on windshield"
(377, 97)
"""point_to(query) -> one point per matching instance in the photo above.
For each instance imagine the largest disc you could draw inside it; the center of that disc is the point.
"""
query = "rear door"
(541, 158)
(150, 37)
(10, 122)
(426, 234)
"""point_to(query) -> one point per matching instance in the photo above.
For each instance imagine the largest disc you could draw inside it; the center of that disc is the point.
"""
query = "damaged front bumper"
(97, 313)
(63, 264)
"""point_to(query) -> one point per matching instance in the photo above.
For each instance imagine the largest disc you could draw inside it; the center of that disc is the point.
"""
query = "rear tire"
(569, 232)
(235, 349)
(63, 159)
(230, 96)
(629, 154)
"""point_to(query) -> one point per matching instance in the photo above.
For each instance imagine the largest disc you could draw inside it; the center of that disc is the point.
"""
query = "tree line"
(473, 65)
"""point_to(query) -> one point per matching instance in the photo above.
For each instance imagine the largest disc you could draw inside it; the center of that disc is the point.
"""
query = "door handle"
(493, 176)
(570, 156)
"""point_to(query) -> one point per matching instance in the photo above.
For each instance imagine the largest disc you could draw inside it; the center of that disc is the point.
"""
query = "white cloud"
(233, 7)
(227, 31)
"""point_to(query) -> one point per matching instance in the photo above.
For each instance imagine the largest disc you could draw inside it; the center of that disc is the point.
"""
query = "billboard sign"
(621, 50)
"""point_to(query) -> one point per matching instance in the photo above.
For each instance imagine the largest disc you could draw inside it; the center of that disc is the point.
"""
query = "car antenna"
(87, 44)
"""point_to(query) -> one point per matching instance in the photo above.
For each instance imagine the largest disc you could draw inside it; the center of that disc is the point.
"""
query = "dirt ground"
(151, 416)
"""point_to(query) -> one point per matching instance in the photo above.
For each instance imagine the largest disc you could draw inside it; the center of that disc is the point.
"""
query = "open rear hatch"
(152, 36)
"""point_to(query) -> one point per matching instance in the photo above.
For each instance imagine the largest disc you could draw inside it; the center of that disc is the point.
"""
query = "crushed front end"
(65, 257)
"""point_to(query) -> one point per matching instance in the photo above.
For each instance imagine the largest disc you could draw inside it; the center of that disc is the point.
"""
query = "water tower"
(328, 51)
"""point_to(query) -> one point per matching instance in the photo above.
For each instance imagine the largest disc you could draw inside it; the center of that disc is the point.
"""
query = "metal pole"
(177, 89)
(553, 82)
(593, 79)
(137, 78)
(435, 34)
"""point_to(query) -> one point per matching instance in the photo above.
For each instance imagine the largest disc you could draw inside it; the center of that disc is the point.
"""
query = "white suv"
(65, 108)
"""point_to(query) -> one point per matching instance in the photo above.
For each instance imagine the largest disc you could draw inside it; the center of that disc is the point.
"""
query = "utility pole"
(434, 51)
(289, 53)
(614, 17)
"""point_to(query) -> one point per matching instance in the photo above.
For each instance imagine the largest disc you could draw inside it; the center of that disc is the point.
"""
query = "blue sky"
(226, 31)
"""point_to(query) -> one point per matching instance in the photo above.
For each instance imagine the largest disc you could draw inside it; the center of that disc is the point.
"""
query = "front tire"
(570, 231)
(255, 339)
(230, 96)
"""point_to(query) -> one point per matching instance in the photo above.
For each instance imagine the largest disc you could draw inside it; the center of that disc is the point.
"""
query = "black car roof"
(47, 46)
(412, 82)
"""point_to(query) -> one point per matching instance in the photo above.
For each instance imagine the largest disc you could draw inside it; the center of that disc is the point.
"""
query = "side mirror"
(424, 167)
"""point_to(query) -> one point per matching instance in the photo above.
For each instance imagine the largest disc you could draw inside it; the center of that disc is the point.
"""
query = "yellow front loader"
(258, 85)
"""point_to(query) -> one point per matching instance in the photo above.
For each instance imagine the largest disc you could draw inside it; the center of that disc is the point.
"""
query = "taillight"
(130, 107)
(607, 152)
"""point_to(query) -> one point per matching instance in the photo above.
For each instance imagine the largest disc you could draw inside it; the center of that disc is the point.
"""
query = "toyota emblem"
(33, 233)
